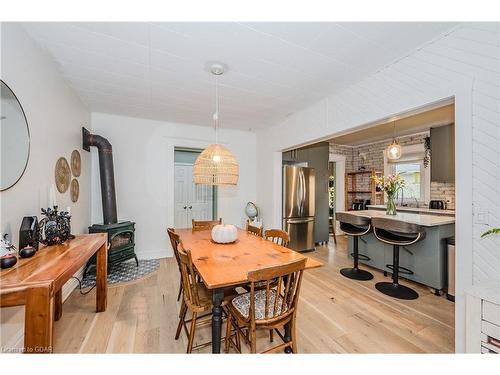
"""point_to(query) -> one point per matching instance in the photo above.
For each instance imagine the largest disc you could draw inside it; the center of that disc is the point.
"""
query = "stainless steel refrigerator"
(298, 206)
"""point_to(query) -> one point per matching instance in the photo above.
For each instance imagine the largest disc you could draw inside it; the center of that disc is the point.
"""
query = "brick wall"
(444, 191)
(374, 159)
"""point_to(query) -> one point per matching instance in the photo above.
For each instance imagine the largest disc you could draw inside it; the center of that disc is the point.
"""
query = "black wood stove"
(120, 234)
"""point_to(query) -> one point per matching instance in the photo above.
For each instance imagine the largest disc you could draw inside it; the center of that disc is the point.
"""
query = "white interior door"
(181, 195)
(200, 202)
(192, 201)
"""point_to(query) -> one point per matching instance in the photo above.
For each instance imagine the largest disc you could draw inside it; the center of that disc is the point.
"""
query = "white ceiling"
(158, 70)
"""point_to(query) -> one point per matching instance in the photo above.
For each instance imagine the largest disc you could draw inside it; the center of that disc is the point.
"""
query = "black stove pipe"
(106, 171)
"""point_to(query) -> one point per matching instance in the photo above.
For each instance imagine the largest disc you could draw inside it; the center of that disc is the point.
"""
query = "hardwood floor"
(335, 315)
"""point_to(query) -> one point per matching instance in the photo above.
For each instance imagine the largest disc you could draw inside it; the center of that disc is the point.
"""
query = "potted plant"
(491, 231)
(391, 185)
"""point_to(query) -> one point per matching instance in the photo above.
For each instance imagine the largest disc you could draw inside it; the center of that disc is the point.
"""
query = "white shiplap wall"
(469, 53)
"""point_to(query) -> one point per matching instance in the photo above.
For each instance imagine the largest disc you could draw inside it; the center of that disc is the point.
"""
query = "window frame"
(413, 154)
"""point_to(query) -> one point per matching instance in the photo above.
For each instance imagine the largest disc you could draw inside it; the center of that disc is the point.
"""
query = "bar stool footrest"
(403, 270)
(362, 256)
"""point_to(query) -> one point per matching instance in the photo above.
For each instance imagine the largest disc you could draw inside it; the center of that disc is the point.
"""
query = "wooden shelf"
(364, 172)
(377, 197)
(358, 172)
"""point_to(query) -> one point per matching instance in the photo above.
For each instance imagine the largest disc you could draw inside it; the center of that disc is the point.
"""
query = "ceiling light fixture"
(393, 151)
(216, 165)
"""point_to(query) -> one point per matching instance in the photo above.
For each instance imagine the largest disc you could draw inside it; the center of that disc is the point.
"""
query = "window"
(417, 178)
(411, 172)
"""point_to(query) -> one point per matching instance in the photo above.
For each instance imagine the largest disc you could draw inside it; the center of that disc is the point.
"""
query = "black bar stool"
(397, 233)
(355, 226)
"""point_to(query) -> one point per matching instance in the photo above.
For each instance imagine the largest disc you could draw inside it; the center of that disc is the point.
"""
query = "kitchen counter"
(424, 219)
(425, 260)
(415, 209)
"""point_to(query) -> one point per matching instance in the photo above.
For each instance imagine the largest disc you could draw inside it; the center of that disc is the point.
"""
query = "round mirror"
(14, 138)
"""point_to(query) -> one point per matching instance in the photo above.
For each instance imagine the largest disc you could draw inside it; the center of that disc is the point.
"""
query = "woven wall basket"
(223, 170)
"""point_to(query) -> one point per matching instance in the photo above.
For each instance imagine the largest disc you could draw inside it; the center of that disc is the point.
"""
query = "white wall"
(55, 116)
(464, 63)
(143, 152)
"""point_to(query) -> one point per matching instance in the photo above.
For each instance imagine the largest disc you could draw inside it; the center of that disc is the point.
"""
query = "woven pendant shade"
(216, 165)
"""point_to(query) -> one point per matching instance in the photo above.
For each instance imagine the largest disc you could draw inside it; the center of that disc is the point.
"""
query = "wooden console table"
(37, 283)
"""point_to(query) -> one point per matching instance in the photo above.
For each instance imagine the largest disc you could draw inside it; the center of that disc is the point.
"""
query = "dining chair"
(205, 224)
(277, 236)
(197, 299)
(174, 241)
(253, 229)
(273, 307)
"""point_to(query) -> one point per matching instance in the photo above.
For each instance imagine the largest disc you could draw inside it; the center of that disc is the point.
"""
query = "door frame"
(339, 161)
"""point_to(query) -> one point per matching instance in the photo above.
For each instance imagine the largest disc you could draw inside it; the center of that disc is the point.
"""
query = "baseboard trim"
(71, 285)
(154, 254)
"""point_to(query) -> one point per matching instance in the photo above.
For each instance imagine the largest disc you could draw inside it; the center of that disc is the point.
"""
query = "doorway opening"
(192, 201)
(332, 192)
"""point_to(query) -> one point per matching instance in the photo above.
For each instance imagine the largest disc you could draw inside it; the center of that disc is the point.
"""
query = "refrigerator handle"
(299, 221)
(302, 192)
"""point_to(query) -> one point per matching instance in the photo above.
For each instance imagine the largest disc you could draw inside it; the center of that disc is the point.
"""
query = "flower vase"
(391, 206)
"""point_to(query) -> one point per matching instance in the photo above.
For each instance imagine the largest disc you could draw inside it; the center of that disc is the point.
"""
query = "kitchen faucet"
(402, 197)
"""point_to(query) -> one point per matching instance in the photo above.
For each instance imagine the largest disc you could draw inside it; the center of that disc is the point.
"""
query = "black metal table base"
(217, 296)
(396, 290)
(288, 337)
(356, 274)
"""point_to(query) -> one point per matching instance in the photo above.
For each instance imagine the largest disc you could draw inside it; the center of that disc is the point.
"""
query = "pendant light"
(393, 151)
(216, 165)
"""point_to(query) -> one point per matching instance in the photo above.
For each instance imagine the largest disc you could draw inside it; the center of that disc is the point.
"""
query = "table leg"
(102, 278)
(58, 305)
(288, 331)
(288, 337)
(217, 296)
(38, 320)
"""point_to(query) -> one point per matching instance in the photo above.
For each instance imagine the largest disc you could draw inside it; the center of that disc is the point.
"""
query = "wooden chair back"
(174, 241)
(205, 224)
(188, 277)
(284, 282)
(277, 236)
(254, 230)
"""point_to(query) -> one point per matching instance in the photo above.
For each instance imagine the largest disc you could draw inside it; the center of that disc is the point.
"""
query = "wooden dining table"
(223, 266)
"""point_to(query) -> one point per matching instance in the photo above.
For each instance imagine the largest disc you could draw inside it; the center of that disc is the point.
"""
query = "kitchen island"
(426, 260)
(420, 210)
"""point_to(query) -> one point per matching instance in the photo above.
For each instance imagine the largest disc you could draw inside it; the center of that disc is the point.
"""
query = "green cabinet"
(425, 259)
(443, 153)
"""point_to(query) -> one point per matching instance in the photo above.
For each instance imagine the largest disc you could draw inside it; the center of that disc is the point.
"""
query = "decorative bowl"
(224, 233)
(8, 261)
(27, 252)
